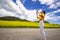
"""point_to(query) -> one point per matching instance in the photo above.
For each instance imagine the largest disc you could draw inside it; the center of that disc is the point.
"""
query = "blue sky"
(26, 9)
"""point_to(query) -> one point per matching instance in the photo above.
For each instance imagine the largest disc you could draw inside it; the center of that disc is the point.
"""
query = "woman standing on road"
(40, 15)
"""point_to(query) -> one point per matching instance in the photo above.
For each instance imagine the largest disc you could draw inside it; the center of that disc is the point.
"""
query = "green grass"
(23, 24)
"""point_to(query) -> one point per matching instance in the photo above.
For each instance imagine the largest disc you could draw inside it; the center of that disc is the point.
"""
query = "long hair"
(43, 11)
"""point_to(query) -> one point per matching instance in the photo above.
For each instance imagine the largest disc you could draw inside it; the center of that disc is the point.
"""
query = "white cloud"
(57, 11)
(55, 5)
(58, 3)
(58, 17)
(21, 7)
(34, 0)
(51, 16)
(10, 8)
(47, 2)
(31, 14)
(3, 12)
(24, 1)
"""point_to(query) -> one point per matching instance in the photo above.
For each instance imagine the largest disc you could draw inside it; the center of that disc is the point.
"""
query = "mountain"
(44, 21)
(11, 18)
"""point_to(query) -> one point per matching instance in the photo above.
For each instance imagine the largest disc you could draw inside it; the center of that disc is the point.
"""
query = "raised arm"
(37, 14)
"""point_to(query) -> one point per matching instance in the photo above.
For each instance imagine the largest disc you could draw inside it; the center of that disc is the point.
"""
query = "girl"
(40, 15)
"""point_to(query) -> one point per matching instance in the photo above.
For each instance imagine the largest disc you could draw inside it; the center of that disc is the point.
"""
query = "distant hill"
(11, 18)
(44, 21)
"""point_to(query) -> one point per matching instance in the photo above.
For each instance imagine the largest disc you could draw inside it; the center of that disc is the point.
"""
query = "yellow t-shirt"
(41, 17)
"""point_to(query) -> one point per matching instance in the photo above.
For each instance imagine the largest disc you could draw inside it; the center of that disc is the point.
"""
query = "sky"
(26, 9)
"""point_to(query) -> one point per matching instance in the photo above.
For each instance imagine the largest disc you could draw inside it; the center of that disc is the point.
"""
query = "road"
(28, 34)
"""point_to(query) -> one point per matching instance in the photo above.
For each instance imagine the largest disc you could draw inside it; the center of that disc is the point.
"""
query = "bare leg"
(43, 36)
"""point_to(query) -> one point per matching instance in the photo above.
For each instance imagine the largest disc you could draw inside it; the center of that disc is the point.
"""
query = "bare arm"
(37, 14)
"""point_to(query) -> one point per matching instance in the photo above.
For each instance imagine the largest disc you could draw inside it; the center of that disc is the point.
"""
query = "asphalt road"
(27, 34)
